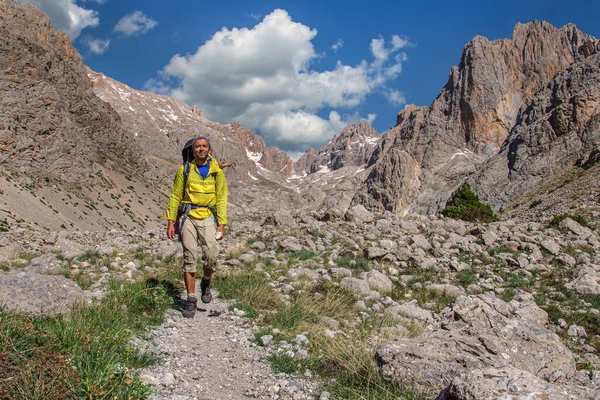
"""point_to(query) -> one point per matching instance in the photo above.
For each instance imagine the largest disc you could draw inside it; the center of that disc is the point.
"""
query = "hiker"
(199, 204)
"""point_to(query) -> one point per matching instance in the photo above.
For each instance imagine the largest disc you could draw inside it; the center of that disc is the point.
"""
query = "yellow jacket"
(211, 191)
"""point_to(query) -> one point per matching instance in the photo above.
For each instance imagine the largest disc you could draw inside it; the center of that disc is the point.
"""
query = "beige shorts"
(198, 235)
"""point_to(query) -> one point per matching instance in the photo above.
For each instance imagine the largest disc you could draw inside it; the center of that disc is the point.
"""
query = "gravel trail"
(212, 357)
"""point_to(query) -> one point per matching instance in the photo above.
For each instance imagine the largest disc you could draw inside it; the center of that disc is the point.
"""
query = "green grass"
(467, 276)
(84, 355)
(305, 310)
(351, 373)
(250, 289)
(302, 255)
(359, 263)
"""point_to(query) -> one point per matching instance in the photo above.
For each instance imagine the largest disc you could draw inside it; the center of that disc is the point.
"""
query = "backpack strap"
(186, 174)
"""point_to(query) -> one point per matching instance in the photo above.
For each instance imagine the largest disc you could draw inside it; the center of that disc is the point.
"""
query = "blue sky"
(295, 72)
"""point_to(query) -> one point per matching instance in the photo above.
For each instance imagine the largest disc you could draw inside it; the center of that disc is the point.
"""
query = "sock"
(205, 279)
(191, 297)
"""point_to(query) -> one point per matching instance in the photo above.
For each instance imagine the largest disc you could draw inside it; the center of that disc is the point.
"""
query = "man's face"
(201, 149)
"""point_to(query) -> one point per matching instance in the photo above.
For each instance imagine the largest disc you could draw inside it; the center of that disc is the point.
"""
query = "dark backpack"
(187, 155)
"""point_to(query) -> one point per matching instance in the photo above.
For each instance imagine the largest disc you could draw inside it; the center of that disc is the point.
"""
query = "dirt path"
(212, 357)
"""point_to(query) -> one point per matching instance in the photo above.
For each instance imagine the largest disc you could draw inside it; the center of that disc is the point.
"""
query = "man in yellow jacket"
(203, 203)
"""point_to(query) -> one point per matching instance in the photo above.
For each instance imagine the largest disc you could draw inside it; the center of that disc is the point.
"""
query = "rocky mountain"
(66, 159)
(351, 147)
(432, 150)
(557, 128)
(263, 177)
(161, 126)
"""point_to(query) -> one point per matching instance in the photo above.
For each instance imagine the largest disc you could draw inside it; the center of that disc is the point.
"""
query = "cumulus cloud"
(95, 1)
(66, 15)
(136, 23)
(96, 46)
(263, 78)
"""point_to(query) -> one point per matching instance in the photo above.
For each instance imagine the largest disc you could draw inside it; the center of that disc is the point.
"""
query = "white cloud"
(135, 23)
(400, 42)
(395, 97)
(95, 1)
(337, 45)
(66, 15)
(371, 118)
(262, 78)
(299, 130)
(96, 46)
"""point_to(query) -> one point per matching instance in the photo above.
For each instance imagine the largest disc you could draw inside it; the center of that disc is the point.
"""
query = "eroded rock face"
(558, 127)
(472, 116)
(478, 333)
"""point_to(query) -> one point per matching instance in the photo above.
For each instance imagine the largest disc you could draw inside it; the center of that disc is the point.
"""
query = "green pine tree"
(467, 207)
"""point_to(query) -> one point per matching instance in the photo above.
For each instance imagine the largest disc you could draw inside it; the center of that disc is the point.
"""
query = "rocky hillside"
(66, 160)
(161, 126)
(433, 299)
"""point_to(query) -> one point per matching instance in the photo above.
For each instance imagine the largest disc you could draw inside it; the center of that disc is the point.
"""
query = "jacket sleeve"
(221, 194)
(176, 195)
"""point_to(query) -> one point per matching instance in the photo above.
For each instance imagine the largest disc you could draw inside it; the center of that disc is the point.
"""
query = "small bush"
(466, 206)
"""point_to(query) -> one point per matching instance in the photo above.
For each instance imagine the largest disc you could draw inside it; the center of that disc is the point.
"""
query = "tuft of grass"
(354, 374)
(306, 309)
(4, 225)
(535, 203)
(302, 255)
(90, 256)
(283, 363)
(467, 276)
(235, 251)
(439, 299)
(250, 289)
(507, 294)
(360, 263)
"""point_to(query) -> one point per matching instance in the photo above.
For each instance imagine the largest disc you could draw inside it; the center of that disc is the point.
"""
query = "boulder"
(38, 295)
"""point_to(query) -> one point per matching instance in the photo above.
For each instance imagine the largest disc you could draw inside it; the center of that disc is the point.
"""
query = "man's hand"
(221, 229)
(171, 229)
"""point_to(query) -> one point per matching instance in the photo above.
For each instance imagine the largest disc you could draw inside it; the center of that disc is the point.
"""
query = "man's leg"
(210, 252)
(189, 242)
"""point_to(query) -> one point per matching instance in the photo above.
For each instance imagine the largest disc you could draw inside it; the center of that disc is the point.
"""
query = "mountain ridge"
(101, 142)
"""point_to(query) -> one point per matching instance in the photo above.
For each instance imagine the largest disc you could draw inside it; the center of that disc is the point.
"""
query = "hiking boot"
(190, 308)
(205, 288)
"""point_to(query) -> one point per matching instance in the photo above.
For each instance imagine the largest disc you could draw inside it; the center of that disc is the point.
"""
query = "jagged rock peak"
(351, 147)
(494, 78)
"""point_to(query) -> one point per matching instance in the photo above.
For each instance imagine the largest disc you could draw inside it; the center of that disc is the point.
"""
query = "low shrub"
(466, 206)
